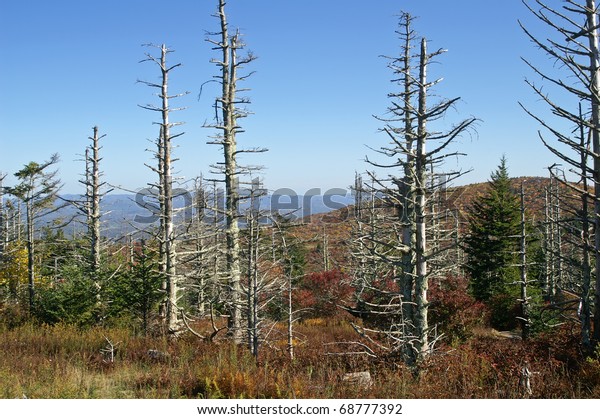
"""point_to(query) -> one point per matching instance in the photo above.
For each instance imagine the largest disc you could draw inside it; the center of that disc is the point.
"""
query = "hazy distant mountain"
(126, 213)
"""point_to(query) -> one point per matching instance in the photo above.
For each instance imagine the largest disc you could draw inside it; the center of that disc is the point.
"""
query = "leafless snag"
(166, 235)
(574, 47)
(228, 111)
(409, 191)
(108, 351)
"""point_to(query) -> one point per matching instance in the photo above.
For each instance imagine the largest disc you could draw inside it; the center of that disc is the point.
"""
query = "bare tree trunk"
(358, 196)
(229, 114)
(167, 186)
(166, 234)
(95, 203)
(325, 244)
(229, 111)
(290, 319)
(548, 248)
(201, 267)
(592, 35)
(408, 183)
(3, 229)
(30, 254)
(574, 32)
(92, 209)
(401, 241)
(252, 272)
(421, 279)
(162, 255)
(558, 280)
(586, 269)
(525, 320)
(18, 222)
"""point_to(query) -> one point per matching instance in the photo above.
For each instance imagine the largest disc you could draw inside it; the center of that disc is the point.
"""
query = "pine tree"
(137, 291)
(493, 239)
(38, 190)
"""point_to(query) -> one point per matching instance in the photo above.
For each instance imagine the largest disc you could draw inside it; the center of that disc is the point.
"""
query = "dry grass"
(65, 362)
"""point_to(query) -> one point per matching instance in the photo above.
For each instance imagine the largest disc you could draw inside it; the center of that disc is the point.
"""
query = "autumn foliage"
(454, 310)
(322, 293)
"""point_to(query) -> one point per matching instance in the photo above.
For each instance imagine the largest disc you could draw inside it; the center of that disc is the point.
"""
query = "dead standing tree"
(166, 234)
(575, 48)
(3, 229)
(203, 246)
(409, 188)
(229, 110)
(284, 242)
(523, 283)
(90, 207)
(93, 196)
(263, 273)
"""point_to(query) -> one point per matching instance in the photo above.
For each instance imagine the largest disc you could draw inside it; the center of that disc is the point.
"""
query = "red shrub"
(322, 292)
(454, 310)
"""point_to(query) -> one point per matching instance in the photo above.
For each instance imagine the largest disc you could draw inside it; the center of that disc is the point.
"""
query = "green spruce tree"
(493, 239)
(136, 294)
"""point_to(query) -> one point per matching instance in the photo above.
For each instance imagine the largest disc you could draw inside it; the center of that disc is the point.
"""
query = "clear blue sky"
(68, 65)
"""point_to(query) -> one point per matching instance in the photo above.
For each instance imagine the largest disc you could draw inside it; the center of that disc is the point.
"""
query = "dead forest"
(422, 287)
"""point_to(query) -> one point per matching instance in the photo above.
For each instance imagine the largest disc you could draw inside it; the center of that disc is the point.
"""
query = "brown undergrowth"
(66, 362)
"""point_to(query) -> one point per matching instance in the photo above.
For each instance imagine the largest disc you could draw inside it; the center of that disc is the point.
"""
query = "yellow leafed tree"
(13, 269)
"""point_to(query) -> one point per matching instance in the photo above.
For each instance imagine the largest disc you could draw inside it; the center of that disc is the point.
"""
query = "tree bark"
(586, 269)
(229, 128)
(167, 186)
(3, 229)
(95, 203)
(525, 320)
(166, 234)
(421, 279)
(592, 34)
(30, 252)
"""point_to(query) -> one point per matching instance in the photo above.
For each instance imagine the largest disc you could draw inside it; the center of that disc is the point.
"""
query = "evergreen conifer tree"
(492, 243)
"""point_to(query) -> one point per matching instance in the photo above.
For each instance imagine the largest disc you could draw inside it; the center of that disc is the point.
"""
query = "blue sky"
(69, 65)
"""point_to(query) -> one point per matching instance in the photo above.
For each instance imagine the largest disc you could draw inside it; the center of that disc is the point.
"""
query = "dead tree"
(414, 148)
(263, 281)
(229, 110)
(252, 289)
(376, 261)
(3, 229)
(201, 256)
(325, 250)
(575, 48)
(548, 247)
(165, 183)
(202, 248)
(90, 207)
(94, 195)
(586, 196)
(284, 240)
(523, 283)
(12, 220)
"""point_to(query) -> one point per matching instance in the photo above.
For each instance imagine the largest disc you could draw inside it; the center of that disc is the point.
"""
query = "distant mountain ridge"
(124, 214)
